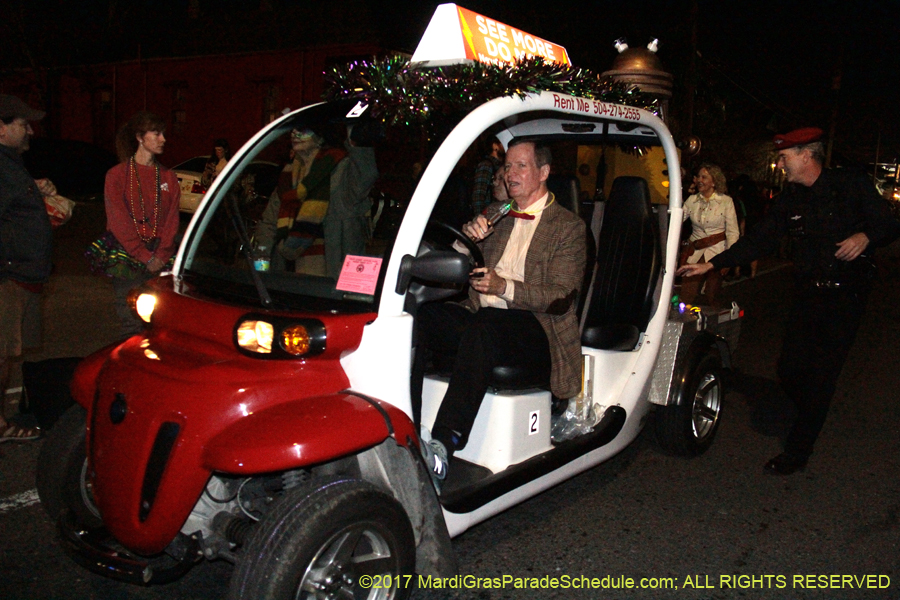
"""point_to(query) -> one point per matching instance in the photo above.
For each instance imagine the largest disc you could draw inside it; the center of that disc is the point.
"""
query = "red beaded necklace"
(141, 226)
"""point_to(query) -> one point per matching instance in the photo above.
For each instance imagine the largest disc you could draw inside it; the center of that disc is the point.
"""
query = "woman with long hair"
(141, 199)
(714, 228)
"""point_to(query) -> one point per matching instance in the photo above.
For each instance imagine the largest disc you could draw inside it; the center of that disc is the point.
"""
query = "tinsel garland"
(400, 94)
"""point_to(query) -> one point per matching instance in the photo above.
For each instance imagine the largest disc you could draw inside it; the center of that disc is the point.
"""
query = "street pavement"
(700, 524)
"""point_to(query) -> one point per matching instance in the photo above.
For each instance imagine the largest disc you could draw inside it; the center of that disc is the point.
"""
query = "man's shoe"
(436, 459)
(786, 464)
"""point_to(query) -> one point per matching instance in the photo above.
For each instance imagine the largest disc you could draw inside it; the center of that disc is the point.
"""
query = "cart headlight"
(269, 336)
(256, 336)
(143, 304)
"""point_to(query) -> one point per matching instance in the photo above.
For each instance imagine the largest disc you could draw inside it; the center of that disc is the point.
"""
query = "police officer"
(835, 219)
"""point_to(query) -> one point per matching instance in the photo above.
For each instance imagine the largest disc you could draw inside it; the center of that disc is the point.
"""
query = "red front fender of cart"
(296, 434)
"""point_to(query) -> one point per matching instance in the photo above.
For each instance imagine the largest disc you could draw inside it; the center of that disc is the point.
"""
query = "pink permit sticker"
(359, 274)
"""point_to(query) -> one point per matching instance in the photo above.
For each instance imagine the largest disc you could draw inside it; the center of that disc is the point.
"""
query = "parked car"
(265, 416)
(78, 169)
(189, 172)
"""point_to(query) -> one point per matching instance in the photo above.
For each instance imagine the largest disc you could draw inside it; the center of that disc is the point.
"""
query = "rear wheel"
(62, 471)
(688, 428)
(341, 538)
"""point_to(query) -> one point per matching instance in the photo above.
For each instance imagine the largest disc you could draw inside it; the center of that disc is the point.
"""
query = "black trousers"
(475, 343)
(820, 331)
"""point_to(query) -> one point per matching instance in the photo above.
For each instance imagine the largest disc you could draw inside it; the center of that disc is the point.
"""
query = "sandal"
(17, 433)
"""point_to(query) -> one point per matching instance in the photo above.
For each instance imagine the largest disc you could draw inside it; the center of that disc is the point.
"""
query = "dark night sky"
(769, 64)
(777, 59)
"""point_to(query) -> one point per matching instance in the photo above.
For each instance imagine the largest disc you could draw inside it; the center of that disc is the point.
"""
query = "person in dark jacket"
(835, 220)
(26, 246)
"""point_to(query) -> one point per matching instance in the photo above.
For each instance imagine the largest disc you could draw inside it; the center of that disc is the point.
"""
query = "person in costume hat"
(835, 220)
(292, 221)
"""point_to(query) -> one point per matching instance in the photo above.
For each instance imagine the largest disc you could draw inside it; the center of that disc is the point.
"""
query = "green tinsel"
(400, 94)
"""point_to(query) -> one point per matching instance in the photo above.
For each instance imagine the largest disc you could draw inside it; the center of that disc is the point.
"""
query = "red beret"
(798, 137)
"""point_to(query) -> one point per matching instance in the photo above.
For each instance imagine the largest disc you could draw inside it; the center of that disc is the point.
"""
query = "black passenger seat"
(629, 260)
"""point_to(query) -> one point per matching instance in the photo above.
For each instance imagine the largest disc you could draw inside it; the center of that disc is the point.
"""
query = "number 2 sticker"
(534, 419)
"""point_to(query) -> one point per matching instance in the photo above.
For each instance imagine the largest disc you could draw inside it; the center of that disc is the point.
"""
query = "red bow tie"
(521, 215)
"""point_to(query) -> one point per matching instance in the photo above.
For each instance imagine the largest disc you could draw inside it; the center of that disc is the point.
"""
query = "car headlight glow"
(256, 336)
(144, 305)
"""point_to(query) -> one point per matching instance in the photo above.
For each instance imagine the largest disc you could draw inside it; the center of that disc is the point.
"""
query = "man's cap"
(12, 107)
(798, 137)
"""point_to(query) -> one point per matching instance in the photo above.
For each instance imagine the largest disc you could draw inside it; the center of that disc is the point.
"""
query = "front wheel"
(688, 428)
(62, 471)
(340, 538)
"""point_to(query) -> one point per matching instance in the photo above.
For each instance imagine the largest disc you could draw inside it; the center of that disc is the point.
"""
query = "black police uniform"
(830, 293)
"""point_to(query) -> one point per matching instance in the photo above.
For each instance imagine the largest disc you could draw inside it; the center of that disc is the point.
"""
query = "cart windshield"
(307, 217)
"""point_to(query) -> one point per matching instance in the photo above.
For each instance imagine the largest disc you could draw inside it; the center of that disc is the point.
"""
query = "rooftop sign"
(456, 35)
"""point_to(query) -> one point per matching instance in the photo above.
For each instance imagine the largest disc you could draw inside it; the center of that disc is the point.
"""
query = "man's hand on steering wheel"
(482, 279)
(474, 251)
(486, 281)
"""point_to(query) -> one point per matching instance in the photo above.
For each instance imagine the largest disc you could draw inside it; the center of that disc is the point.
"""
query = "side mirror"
(435, 266)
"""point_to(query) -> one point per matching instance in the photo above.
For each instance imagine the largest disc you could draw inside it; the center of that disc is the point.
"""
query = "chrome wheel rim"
(87, 490)
(707, 406)
(356, 562)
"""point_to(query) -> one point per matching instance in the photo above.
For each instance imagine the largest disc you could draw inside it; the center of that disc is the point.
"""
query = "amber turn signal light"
(295, 340)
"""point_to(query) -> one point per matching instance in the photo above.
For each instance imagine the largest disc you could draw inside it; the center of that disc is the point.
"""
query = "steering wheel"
(474, 251)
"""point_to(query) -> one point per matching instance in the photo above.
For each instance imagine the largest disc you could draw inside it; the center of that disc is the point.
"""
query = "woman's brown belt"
(709, 241)
(688, 248)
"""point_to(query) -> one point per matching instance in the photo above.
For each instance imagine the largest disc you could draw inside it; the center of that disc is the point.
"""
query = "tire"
(303, 547)
(61, 478)
(688, 428)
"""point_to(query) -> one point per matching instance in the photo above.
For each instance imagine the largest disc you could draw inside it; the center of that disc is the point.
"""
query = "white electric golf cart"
(265, 415)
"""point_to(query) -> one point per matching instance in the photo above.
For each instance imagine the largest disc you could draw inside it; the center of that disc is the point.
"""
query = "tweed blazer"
(554, 272)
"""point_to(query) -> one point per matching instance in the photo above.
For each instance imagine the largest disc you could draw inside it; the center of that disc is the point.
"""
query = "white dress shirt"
(512, 264)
